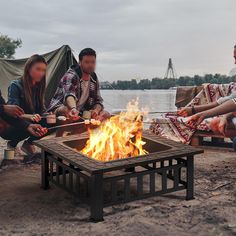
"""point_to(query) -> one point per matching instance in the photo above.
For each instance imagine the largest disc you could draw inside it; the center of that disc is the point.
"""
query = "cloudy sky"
(133, 38)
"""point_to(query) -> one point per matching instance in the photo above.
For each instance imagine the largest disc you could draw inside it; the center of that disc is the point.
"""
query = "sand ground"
(26, 209)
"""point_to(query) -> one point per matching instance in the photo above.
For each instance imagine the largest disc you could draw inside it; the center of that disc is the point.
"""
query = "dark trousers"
(14, 135)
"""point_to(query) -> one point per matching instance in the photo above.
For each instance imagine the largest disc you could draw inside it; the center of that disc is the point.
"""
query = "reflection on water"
(155, 100)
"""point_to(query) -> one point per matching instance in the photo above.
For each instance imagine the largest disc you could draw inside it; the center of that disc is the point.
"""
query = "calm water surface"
(155, 100)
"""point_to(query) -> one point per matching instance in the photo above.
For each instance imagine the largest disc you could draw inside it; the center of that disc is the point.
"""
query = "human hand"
(13, 110)
(185, 111)
(37, 130)
(196, 120)
(35, 118)
(94, 114)
(74, 114)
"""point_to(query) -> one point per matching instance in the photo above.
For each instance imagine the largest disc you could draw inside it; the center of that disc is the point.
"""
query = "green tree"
(157, 83)
(8, 46)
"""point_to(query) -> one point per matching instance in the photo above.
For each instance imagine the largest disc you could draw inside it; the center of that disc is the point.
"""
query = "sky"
(133, 38)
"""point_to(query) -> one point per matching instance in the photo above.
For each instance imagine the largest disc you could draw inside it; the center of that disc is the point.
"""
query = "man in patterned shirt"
(79, 91)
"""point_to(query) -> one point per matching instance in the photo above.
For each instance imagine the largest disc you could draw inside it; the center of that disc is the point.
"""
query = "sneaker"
(28, 148)
(10, 146)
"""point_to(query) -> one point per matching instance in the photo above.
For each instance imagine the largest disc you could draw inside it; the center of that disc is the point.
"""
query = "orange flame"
(117, 138)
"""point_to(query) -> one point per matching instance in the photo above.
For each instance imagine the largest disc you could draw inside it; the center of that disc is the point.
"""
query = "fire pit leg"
(190, 178)
(45, 170)
(96, 197)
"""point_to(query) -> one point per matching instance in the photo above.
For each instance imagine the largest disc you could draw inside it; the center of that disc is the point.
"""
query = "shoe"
(10, 146)
(28, 148)
(234, 144)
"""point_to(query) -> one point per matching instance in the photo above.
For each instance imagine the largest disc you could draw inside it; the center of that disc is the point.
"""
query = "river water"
(154, 100)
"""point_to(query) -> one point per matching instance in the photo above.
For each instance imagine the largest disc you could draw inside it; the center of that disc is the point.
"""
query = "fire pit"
(168, 167)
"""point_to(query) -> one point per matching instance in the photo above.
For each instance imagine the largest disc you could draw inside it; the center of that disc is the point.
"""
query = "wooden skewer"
(66, 125)
(161, 112)
(83, 122)
(73, 124)
(117, 111)
(42, 117)
(150, 122)
(46, 116)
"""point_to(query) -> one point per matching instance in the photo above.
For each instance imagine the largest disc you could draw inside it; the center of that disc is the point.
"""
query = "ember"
(119, 137)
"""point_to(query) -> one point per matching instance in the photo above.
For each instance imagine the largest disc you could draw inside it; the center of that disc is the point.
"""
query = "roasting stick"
(62, 118)
(86, 122)
(95, 122)
(66, 125)
(150, 122)
(117, 111)
(165, 122)
(161, 112)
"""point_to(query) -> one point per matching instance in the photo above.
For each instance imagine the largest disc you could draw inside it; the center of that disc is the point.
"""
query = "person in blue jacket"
(27, 93)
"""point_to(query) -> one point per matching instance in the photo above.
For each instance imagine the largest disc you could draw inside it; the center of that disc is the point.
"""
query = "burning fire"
(119, 137)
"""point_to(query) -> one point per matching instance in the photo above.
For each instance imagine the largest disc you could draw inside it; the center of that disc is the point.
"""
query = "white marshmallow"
(62, 118)
(87, 122)
(98, 122)
(93, 121)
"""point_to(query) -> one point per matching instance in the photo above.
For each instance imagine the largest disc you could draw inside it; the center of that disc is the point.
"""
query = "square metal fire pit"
(168, 167)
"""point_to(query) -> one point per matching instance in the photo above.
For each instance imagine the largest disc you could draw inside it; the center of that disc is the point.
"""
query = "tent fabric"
(58, 61)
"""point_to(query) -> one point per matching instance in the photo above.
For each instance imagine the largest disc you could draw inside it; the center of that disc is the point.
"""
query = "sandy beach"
(26, 209)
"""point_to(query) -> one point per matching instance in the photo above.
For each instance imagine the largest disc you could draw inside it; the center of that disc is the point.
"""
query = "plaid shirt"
(70, 85)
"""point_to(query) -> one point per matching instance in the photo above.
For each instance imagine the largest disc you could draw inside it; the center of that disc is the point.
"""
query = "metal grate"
(106, 184)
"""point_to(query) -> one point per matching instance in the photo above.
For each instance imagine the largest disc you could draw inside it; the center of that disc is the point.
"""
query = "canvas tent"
(58, 63)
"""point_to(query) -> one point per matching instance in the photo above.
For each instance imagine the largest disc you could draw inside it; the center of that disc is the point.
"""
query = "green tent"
(58, 63)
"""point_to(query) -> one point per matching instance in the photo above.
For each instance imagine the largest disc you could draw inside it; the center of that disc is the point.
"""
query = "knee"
(214, 124)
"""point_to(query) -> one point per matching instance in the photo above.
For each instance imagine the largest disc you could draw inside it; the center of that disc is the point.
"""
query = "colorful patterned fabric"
(174, 127)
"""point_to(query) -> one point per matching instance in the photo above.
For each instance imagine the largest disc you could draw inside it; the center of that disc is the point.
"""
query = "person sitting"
(27, 93)
(79, 90)
(10, 121)
(225, 125)
(188, 111)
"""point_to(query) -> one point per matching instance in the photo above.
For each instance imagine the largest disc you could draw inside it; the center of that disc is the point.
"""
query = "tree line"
(157, 83)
